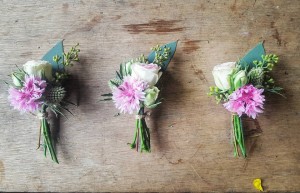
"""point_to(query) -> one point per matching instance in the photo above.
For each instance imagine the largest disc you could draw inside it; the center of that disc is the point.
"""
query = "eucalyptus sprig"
(68, 59)
(220, 95)
(161, 57)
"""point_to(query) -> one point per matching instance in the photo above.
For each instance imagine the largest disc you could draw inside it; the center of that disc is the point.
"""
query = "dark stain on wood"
(233, 6)
(191, 46)
(117, 17)
(91, 23)
(89, 26)
(199, 73)
(277, 37)
(178, 162)
(65, 6)
(25, 54)
(154, 27)
(276, 34)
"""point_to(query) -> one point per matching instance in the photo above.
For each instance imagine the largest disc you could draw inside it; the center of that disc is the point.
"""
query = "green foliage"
(260, 73)
(268, 62)
(220, 95)
(158, 52)
(162, 54)
(68, 59)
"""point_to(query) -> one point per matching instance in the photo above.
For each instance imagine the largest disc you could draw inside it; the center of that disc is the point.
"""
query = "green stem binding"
(48, 143)
(141, 140)
(239, 142)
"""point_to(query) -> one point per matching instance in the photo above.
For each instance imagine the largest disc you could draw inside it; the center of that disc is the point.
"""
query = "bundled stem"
(141, 139)
(239, 142)
(48, 143)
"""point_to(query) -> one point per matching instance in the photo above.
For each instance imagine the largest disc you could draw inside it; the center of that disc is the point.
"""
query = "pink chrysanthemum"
(248, 100)
(128, 95)
(27, 98)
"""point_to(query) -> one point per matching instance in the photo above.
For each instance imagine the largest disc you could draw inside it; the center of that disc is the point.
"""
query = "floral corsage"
(135, 88)
(39, 86)
(241, 87)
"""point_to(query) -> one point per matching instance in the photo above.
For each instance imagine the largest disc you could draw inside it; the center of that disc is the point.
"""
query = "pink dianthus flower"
(27, 99)
(247, 99)
(128, 95)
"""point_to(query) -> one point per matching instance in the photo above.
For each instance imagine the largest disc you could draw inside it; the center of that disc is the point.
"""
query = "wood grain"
(191, 149)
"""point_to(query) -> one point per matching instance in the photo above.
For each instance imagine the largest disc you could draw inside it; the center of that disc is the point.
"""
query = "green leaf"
(121, 71)
(107, 99)
(113, 83)
(153, 106)
(119, 75)
(171, 45)
(58, 49)
(254, 54)
(108, 94)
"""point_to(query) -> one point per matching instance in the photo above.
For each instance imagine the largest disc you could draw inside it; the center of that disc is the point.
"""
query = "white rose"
(146, 72)
(221, 74)
(39, 68)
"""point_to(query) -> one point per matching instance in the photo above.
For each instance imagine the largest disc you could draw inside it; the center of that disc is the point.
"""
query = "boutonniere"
(241, 86)
(39, 87)
(135, 89)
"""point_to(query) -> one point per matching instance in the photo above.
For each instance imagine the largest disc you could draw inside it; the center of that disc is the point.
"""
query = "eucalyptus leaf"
(58, 49)
(171, 45)
(254, 54)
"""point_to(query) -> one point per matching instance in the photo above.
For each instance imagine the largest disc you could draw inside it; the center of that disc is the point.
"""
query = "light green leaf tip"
(58, 49)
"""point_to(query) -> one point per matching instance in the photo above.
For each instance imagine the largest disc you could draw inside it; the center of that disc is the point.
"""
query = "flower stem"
(48, 144)
(133, 144)
(236, 152)
(238, 135)
(141, 140)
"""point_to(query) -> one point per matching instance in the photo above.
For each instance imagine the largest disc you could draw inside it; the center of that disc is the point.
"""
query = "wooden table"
(191, 149)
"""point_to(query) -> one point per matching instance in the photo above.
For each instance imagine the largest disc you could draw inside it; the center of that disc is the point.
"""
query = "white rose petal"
(149, 75)
(39, 68)
(221, 74)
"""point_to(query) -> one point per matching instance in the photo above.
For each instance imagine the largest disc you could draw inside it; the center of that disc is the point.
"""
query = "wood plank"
(191, 148)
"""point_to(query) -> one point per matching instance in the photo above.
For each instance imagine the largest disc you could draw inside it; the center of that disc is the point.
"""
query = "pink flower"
(27, 99)
(128, 95)
(248, 100)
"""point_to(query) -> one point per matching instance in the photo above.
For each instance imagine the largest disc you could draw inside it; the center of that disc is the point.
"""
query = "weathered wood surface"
(191, 148)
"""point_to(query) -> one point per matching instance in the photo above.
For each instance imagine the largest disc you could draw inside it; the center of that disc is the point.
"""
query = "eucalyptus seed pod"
(55, 94)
